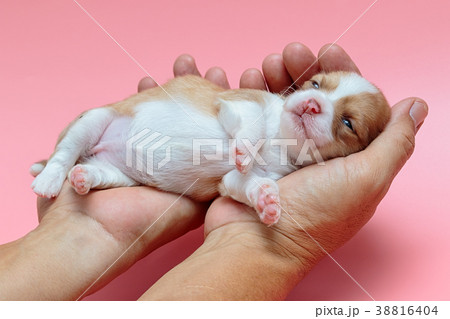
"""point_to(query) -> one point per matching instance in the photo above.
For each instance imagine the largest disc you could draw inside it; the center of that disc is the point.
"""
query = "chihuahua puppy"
(183, 136)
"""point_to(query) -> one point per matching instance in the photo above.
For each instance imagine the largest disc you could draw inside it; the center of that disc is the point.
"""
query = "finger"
(275, 73)
(387, 154)
(333, 58)
(300, 62)
(217, 76)
(146, 83)
(252, 79)
(185, 64)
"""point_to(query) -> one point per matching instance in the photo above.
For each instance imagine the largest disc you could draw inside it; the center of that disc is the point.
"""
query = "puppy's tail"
(37, 168)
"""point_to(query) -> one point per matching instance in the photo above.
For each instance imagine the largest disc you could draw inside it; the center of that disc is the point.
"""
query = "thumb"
(395, 145)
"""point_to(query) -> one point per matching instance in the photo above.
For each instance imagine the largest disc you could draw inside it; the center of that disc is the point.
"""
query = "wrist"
(57, 260)
(238, 261)
(272, 244)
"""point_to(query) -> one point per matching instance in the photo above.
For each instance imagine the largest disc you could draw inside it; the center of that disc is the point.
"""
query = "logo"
(149, 150)
(141, 148)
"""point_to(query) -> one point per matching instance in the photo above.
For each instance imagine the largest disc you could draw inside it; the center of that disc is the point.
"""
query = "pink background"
(55, 62)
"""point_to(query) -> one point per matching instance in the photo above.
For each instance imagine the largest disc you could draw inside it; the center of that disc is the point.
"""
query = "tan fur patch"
(200, 93)
(368, 114)
(327, 81)
(257, 96)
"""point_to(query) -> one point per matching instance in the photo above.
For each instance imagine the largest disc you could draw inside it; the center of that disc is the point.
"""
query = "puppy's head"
(340, 111)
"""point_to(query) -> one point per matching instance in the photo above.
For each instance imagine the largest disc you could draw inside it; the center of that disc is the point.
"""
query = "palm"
(126, 213)
(304, 212)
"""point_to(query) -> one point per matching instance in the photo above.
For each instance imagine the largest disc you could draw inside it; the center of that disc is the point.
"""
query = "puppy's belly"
(166, 145)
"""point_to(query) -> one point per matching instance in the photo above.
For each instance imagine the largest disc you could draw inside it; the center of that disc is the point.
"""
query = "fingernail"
(418, 113)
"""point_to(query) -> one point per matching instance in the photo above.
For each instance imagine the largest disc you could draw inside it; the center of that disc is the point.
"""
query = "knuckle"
(406, 144)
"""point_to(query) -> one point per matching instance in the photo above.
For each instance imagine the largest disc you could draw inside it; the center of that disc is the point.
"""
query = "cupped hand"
(131, 221)
(322, 206)
(128, 213)
(105, 232)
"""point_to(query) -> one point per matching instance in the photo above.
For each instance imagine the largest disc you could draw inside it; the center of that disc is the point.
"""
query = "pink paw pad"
(243, 161)
(268, 205)
(78, 178)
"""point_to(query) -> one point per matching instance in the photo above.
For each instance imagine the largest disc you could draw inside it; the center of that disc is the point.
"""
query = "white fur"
(316, 127)
(95, 173)
(352, 84)
(81, 137)
(167, 119)
(250, 189)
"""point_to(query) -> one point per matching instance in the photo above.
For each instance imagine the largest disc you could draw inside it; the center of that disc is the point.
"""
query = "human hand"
(128, 222)
(185, 64)
(83, 242)
(322, 206)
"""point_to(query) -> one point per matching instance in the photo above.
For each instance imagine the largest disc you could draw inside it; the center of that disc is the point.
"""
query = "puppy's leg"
(244, 121)
(97, 174)
(261, 193)
(80, 137)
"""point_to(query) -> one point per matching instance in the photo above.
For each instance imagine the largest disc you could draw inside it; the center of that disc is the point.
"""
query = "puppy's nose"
(312, 107)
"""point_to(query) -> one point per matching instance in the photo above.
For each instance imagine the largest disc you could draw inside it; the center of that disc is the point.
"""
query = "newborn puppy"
(190, 136)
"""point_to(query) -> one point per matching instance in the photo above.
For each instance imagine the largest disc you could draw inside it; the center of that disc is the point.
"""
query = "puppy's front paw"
(244, 161)
(48, 183)
(268, 204)
(79, 179)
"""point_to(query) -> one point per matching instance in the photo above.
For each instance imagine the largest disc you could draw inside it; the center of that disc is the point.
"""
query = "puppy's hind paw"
(79, 179)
